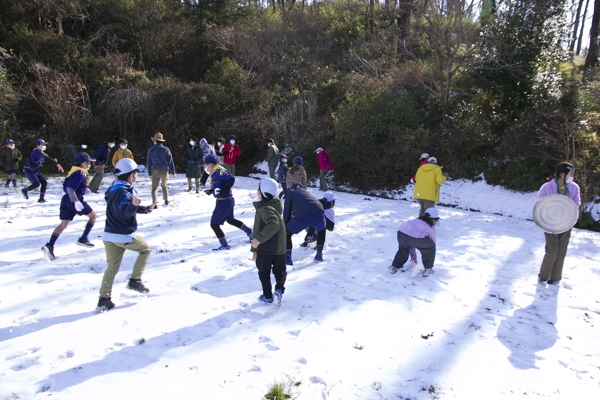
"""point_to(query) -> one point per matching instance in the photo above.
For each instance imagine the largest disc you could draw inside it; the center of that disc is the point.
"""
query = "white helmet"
(424, 156)
(268, 186)
(328, 196)
(125, 166)
(432, 160)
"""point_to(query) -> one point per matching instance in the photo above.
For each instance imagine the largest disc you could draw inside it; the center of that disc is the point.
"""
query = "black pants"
(204, 177)
(219, 232)
(320, 238)
(266, 262)
(425, 245)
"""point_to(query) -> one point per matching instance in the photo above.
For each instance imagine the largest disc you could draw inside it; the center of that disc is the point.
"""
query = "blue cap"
(211, 159)
(9, 141)
(40, 141)
(282, 156)
(80, 158)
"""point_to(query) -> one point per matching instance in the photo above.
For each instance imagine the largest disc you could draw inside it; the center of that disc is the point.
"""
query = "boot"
(104, 304)
(319, 256)
(288, 257)
(137, 285)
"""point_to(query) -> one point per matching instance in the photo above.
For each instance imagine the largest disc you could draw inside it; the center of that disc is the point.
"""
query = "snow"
(479, 327)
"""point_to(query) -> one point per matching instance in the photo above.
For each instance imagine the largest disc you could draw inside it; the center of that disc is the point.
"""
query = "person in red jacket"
(423, 160)
(231, 151)
(325, 165)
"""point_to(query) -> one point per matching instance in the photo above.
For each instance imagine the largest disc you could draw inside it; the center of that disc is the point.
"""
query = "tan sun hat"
(555, 213)
(158, 137)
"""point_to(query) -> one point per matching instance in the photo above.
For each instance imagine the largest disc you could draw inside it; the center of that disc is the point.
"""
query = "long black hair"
(428, 219)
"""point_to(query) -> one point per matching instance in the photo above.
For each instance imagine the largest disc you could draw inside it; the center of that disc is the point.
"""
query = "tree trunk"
(578, 51)
(592, 56)
(403, 21)
(575, 27)
(372, 17)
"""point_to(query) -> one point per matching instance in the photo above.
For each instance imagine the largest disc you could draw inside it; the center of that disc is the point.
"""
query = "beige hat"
(158, 137)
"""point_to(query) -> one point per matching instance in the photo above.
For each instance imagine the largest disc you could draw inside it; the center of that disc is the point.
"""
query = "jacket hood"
(273, 202)
(429, 167)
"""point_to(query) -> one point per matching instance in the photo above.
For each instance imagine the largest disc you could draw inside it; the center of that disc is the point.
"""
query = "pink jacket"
(418, 229)
(550, 187)
(324, 161)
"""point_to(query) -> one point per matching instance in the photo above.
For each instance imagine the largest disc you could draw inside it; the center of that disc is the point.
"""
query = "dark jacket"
(193, 156)
(269, 228)
(222, 180)
(101, 154)
(159, 157)
(300, 202)
(10, 158)
(36, 159)
(282, 172)
(273, 156)
(120, 211)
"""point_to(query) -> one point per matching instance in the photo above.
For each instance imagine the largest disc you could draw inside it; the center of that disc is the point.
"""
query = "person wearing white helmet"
(423, 160)
(428, 178)
(122, 206)
(420, 234)
(268, 241)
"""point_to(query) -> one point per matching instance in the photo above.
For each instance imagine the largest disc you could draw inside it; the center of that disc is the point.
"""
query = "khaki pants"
(160, 175)
(272, 171)
(97, 179)
(322, 180)
(230, 168)
(114, 256)
(425, 204)
(556, 250)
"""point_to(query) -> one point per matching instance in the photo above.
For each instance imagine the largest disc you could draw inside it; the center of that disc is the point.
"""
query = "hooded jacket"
(8, 157)
(296, 174)
(120, 211)
(269, 228)
(429, 177)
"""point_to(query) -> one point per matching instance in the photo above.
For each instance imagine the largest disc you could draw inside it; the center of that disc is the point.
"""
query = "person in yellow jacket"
(429, 177)
(121, 152)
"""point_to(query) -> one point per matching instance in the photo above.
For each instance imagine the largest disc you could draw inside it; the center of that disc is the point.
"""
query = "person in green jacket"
(9, 158)
(268, 241)
(272, 158)
(428, 178)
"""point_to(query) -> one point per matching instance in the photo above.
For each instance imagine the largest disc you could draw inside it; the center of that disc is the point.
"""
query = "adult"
(300, 211)
(272, 157)
(121, 152)
(122, 206)
(231, 151)
(73, 203)
(9, 159)
(207, 150)
(193, 156)
(268, 241)
(325, 165)
(32, 166)
(423, 160)
(556, 244)
(101, 159)
(221, 183)
(296, 174)
(429, 177)
(420, 234)
(159, 162)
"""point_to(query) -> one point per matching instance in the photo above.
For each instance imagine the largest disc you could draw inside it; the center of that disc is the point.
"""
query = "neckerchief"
(75, 169)
(561, 190)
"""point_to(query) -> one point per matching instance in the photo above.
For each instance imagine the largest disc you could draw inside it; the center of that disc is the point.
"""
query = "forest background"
(505, 88)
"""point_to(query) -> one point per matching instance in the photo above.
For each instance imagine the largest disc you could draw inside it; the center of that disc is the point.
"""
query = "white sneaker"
(392, 269)
(427, 272)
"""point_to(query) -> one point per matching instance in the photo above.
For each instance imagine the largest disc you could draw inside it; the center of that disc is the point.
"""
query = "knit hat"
(80, 158)
(158, 137)
(268, 188)
(125, 166)
(232, 137)
(298, 160)
(211, 159)
(432, 160)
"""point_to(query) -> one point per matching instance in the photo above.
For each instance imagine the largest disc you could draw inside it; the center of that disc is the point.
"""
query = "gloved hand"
(217, 191)
(208, 191)
(78, 206)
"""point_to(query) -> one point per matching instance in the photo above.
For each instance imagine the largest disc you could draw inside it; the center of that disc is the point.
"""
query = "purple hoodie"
(418, 229)
(550, 187)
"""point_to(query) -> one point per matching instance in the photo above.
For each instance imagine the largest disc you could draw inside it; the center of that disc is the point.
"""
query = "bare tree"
(592, 56)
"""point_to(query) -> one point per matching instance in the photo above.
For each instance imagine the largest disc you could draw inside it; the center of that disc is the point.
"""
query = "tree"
(592, 56)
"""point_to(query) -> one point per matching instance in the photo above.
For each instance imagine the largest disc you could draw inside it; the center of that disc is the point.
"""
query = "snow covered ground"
(480, 327)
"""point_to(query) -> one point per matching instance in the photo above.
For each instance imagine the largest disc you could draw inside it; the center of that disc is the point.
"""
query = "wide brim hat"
(555, 213)
(158, 137)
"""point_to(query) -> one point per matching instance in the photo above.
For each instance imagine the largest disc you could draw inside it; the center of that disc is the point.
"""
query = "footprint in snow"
(302, 361)
(351, 300)
(255, 368)
(316, 379)
(24, 364)
(294, 333)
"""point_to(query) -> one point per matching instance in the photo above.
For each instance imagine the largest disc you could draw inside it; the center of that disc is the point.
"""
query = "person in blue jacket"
(300, 211)
(122, 206)
(101, 155)
(32, 166)
(73, 203)
(159, 162)
(221, 184)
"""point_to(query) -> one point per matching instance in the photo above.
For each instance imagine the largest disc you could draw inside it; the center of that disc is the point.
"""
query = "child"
(219, 150)
(420, 234)
(122, 206)
(121, 152)
(282, 174)
(328, 202)
(221, 184)
(423, 160)
(268, 241)
(9, 158)
(72, 203)
(296, 174)
(32, 166)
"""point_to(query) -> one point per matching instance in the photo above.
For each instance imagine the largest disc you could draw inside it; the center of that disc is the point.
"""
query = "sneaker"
(24, 193)
(94, 191)
(166, 202)
(427, 272)
(289, 262)
(197, 190)
(85, 242)
(189, 189)
(542, 281)
(551, 282)
(304, 244)
(277, 296)
(311, 238)
(223, 247)
(264, 299)
(318, 258)
(42, 201)
(48, 252)
(137, 285)
(104, 304)
(392, 269)
(6, 186)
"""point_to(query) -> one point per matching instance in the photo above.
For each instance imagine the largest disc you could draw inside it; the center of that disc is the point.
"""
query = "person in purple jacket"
(556, 244)
(72, 203)
(419, 233)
